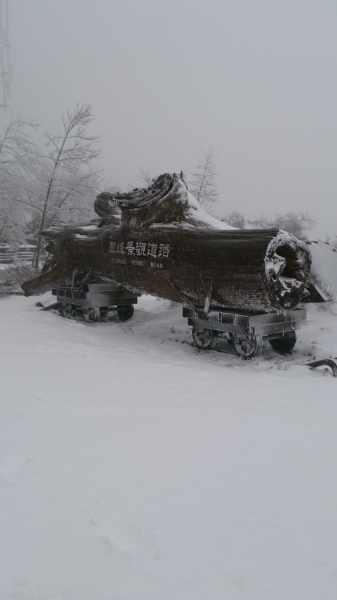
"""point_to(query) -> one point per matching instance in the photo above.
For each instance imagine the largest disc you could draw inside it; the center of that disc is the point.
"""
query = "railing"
(25, 253)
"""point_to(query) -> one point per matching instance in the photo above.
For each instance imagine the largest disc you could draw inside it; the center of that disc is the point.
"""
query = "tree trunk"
(174, 259)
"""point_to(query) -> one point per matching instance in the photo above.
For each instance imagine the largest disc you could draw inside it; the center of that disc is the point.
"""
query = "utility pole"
(5, 65)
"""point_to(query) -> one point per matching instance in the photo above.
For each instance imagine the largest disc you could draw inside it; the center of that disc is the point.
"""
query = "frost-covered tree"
(17, 148)
(66, 176)
(19, 155)
(204, 185)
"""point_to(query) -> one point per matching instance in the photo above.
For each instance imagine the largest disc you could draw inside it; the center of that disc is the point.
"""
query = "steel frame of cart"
(95, 300)
(246, 330)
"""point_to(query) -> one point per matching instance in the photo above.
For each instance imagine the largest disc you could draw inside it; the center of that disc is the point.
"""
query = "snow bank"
(324, 269)
(134, 466)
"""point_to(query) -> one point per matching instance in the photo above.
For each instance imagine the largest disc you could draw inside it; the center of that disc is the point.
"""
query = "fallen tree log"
(166, 245)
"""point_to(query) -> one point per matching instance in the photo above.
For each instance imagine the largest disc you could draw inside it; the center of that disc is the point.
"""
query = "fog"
(255, 80)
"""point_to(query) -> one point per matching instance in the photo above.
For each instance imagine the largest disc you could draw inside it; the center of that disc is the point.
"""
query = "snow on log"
(166, 245)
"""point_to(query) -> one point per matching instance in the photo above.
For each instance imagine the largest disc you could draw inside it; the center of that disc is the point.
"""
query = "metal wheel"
(67, 310)
(206, 339)
(90, 314)
(285, 344)
(247, 345)
(125, 312)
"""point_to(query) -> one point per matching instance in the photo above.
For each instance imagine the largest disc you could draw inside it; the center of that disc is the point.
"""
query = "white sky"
(253, 79)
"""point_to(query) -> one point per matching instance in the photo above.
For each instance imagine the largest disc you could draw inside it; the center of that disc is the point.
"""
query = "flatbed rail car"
(246, 330)
(94, 301)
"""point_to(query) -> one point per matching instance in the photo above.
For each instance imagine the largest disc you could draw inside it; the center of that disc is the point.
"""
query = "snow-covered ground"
(136, 467)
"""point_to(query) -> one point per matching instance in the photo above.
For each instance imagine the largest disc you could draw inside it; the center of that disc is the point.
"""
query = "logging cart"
(95, 301)
(245, 330)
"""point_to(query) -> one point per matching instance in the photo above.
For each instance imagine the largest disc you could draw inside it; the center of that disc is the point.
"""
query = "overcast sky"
(256, 80)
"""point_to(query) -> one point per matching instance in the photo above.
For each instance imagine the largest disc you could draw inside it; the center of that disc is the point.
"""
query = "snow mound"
(197, 213)
(323, 272)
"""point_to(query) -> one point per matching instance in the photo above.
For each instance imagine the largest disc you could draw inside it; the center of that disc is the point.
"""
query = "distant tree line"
(297, 223)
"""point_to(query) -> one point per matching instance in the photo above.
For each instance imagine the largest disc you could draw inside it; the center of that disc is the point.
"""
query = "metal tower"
(5, 66)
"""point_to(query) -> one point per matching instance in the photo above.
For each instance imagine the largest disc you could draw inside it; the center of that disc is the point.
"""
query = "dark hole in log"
(293, 267)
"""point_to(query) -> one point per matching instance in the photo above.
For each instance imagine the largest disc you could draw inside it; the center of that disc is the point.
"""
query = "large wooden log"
(167, 246)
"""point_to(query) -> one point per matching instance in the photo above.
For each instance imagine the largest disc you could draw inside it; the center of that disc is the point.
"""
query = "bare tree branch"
(203, 184)
(145, 176)
(69, 153)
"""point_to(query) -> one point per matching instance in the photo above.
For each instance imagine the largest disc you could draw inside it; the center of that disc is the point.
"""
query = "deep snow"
(136, 467)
